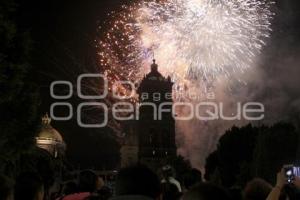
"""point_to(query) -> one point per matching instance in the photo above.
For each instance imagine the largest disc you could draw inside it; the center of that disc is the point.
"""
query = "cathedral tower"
(156, 137)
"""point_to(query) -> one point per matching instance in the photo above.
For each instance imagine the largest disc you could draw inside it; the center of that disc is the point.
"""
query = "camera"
(291, 172)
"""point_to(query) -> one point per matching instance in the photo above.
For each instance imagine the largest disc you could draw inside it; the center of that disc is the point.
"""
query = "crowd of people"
(138, 182)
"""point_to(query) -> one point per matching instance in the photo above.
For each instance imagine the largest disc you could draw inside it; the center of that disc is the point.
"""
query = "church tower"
(156, 137)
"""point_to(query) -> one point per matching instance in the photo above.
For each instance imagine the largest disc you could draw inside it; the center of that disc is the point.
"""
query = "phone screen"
(291, 172)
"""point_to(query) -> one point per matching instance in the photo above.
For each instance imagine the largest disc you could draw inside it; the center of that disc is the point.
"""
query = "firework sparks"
(196, 42)
(192, 39)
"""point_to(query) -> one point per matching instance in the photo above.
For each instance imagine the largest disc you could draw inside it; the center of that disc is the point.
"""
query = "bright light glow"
(191, 39)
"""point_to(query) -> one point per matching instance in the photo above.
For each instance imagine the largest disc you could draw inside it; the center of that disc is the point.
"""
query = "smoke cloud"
(273, 80)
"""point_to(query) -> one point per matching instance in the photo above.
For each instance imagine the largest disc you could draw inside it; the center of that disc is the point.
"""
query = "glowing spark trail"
(192, 39)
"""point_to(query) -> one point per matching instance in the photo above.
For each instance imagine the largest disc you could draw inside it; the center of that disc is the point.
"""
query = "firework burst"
(192, 39)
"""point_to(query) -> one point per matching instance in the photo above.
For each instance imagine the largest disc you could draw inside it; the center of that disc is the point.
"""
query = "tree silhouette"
(247, 152)
(277, 145)
(19, 99)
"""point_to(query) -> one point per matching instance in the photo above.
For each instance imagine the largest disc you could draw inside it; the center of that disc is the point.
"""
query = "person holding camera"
(285, 187)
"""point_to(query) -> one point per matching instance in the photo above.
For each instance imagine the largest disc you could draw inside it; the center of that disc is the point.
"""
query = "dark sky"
(63, 32)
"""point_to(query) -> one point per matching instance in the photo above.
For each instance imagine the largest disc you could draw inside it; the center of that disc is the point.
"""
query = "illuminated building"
(50, 139)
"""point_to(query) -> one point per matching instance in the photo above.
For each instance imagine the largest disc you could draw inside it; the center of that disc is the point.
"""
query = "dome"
(48, 132)
(50, 139)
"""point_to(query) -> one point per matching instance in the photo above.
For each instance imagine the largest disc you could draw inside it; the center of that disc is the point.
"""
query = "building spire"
(154, 66)
(46, 120)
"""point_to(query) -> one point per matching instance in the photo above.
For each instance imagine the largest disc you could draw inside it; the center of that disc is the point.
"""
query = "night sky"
(63, 33)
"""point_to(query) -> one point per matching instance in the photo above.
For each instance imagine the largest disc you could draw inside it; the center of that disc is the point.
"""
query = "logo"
(122, 111)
